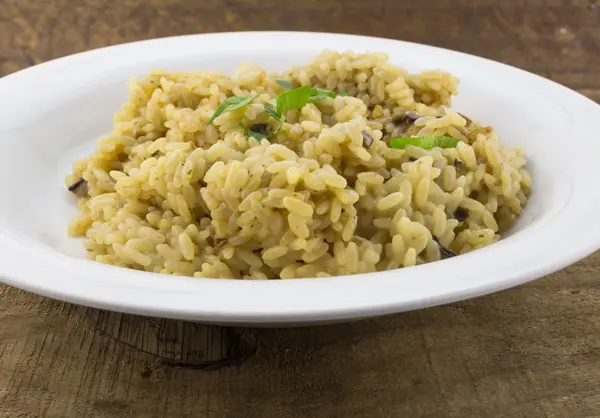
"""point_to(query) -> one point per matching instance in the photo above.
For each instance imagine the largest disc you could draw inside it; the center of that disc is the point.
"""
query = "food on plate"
(346, 165)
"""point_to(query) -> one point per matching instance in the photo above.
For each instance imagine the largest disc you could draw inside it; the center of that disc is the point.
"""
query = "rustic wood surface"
(533, 351)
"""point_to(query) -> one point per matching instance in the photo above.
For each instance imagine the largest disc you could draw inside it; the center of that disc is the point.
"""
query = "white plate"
(52, 113)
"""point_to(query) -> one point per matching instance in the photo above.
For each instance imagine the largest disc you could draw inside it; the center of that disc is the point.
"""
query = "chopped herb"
(273, 113)
(285, 84)
(444, 251)
(260, 131)
(293, 99)
(461, 214)
(367, 139)
(231, 104)
(425, 142)
(317, 94)
(256, 135)
(318, 98)
(298, 98)
(79, 188)
(342, 93)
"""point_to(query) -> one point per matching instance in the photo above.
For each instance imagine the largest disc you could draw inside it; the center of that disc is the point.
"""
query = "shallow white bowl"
(54, 112)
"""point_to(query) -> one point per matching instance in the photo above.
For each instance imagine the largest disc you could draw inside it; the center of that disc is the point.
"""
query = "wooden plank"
(512, 353)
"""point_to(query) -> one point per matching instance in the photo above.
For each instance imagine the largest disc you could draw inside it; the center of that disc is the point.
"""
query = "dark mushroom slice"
(261, 128)
(404, 124)
(445, 252)
(461, 214)
(399, 120)
(367, 139)
(406, 117)
(79, 188)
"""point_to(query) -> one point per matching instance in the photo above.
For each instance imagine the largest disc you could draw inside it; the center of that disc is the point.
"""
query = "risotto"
(345, 165)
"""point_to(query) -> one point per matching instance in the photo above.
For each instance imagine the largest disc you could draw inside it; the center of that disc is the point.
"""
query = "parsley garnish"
(285, 84)
(292, 98)
(231, 104)
(297, 98)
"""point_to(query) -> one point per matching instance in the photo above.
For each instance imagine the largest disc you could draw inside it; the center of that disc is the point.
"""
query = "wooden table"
(533, 351)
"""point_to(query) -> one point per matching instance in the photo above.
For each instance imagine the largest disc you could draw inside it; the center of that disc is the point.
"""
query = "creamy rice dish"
(345, 165)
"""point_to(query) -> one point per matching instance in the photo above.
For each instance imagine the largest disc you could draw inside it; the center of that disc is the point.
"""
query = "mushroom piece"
(79, 188)
(261, 128)
(461, 214)
(444, 251)
(406, 117)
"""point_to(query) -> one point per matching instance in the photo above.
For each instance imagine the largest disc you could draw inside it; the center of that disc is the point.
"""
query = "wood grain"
(532, 351)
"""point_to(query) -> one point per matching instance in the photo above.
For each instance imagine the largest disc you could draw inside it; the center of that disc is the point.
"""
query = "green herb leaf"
(317, 98)
(342, 93)
(276, 131)
(272, 103)
(259, 136)
(273, 113)
(298, 98)
(259, 131)
(242, 103)
(230, 104)
(317, 94)
(293, 99)
(425, 142)
(285, 84)
(445, 252)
